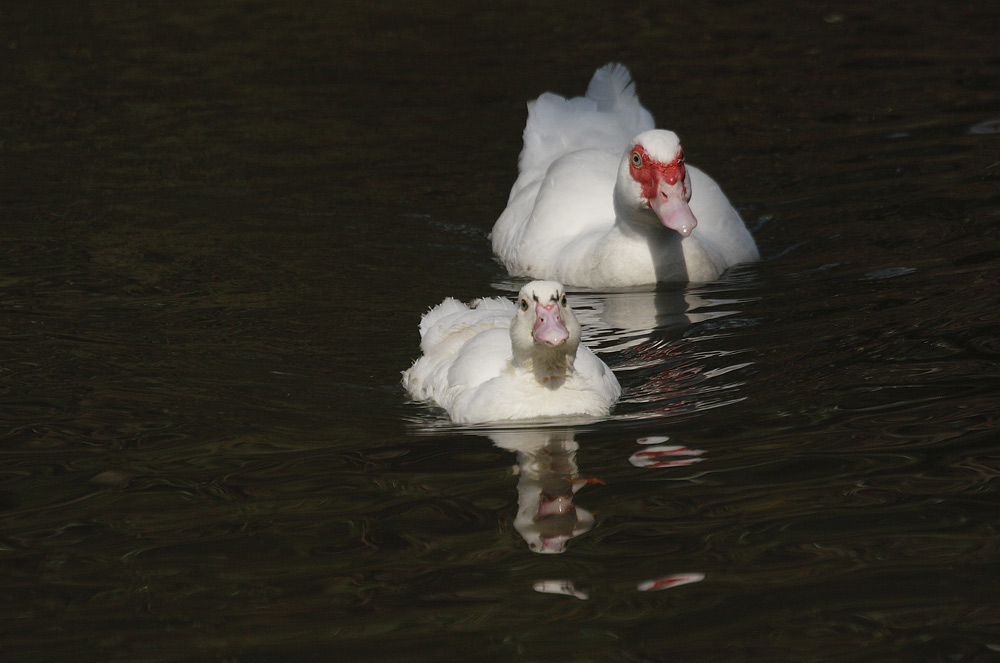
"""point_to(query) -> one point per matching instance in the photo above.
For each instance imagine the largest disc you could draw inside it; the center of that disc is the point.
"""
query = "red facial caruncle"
(645, 170)
(664, 189)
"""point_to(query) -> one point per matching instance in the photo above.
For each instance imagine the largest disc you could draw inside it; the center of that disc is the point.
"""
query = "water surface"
(221, 224)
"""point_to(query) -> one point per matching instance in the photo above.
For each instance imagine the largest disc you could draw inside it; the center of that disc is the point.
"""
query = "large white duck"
(602, 199)
(493, 360)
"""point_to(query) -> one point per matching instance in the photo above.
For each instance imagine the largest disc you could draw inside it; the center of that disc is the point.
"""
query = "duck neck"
(551, 367)
(637, 223)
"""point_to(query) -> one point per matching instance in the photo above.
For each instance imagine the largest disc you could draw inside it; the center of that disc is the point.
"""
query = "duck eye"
(524, 304)
(637, 159)
(563, 301)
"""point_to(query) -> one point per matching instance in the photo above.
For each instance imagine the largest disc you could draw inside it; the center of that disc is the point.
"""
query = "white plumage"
(580, 211)
(493, 360)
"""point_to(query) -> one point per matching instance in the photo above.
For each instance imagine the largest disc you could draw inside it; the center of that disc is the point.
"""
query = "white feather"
(561, 221)
(470, 366)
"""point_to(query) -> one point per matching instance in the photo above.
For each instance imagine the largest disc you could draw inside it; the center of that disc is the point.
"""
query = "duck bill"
(671, 208)
(558, 505)
(549, 326)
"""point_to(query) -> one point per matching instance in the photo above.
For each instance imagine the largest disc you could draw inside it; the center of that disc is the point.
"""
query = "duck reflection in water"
(642, 316)
(657, 454)
(548, 480)
(655, 351)
(548, 516)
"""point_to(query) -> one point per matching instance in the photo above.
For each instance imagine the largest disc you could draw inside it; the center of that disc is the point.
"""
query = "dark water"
(220, 223)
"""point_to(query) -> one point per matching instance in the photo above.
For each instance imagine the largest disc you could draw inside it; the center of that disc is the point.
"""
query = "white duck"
(493, 360)
(602, 199)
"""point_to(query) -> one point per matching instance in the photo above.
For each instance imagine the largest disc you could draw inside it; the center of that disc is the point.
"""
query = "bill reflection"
(548, 516)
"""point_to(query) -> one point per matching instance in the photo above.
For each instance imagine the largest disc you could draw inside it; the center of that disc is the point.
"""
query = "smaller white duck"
(602, 199)
(492, 360)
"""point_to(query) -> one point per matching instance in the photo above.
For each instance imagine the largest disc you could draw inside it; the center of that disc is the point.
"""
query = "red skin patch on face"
(651, 171)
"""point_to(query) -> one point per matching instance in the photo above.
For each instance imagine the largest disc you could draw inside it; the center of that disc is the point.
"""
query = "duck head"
(544, 333)
(653, 183)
